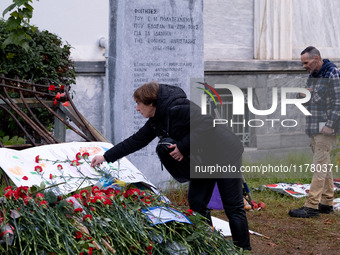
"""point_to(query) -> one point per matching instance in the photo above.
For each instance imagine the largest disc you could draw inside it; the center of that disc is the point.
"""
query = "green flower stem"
(52, 186)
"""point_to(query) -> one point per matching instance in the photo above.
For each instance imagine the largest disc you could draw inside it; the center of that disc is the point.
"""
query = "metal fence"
(236, 123)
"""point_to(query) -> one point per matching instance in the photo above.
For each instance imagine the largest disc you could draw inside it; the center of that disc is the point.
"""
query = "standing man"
(322, 126)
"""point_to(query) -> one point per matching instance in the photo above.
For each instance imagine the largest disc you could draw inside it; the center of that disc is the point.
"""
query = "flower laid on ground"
(37, 159)
(75, 163)
(78, 210)
(85, 155)
(40, 196)
(38, 169)
(189, 212)
(101, 221)
(78, 156)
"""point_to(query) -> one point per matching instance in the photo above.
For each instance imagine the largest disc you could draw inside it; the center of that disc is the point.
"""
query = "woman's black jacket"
(174, 114)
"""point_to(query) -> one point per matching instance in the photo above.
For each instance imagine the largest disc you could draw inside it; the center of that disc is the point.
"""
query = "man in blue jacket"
(322, 126)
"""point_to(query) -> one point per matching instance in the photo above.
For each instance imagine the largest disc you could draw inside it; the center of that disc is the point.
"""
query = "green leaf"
(10, 55)
(34, 189)
(8, 9)
(42, 185)
(13, 23)
(21, 140)
(28, 6)
(18, 37)
(15, 14)
(27, 13)
(21, 2)
(25, 46)
(5, 139)
(14, 140)
(51, 198)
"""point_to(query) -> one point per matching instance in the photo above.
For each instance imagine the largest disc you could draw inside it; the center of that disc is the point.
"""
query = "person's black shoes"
(304, 212)
(326, 209)
(307, 212)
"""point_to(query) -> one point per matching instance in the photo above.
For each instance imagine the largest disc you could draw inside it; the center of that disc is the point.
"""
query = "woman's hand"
(176, 154)
(97, 160)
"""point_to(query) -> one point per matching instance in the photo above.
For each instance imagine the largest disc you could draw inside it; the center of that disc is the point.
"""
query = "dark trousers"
(231, 191)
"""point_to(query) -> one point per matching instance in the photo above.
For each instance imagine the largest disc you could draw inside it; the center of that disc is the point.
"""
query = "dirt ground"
(286, 235)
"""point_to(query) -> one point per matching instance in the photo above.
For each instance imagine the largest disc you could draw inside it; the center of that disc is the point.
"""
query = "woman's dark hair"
(147, 93)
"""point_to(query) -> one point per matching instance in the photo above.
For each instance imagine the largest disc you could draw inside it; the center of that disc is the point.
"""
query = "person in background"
(168, 110)
(321, 126)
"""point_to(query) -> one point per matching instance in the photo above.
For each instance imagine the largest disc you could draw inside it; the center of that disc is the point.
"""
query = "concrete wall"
(270, 29)
(228, 29)
(88, 94)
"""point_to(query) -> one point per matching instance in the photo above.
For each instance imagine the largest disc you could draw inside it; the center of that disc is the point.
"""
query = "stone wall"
(88, 94)
(270, 29)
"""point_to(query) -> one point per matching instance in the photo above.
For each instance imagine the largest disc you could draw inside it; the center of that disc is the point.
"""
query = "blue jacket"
(324, 104)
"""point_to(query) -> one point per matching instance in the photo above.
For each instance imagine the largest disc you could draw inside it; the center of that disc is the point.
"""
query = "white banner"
(21, 166)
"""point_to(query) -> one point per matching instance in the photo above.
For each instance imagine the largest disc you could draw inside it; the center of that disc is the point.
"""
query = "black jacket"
(184, 123)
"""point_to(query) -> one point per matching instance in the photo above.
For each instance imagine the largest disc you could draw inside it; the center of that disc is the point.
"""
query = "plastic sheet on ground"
(297, 190)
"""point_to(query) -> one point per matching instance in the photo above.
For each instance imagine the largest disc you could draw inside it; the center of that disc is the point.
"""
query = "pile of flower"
(33, 220)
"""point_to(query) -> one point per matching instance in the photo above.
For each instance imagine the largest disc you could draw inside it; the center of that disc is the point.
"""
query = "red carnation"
(38, 169)
(85, 155)
(74, 163)
(37, 159)
(87, 217)
(78, 156)
(8, 188)
(149, 248)
(40, 196)
(51, 87)
(78, 210)
(43, 204)
(90, 250)
(190, 212)
(57, 96)
(107, 202)
(94, 189)
(78, 235)
(60, 167)
(84, 193)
